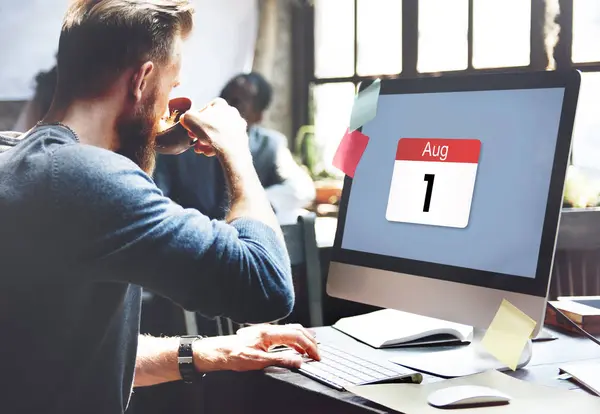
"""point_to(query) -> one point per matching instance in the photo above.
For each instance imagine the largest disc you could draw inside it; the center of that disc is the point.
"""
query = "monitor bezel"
(538, 286)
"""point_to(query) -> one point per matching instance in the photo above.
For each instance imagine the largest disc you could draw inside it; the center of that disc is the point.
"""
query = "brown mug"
(175, 139)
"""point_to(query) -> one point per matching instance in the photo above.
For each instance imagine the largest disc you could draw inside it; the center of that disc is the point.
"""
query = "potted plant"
(309, 153)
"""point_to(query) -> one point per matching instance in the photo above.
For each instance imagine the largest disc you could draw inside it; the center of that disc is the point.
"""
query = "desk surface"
(276, 388)
(543, 368)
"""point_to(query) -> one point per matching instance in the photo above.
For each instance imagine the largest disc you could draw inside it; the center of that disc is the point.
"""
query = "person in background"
(289, 187)
(84, 228)
(37, 107)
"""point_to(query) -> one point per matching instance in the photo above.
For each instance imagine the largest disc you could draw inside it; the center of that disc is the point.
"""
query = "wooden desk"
(282, 391)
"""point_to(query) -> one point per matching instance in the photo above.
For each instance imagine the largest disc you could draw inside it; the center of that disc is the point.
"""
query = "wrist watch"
(185, 359)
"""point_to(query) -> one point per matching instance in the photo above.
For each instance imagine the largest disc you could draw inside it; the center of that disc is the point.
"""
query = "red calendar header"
(439, 150)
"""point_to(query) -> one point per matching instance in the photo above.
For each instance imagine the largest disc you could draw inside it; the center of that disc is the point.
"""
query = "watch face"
(185, 345)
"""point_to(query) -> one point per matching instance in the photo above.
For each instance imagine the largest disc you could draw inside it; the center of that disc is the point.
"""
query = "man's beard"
(137, 134)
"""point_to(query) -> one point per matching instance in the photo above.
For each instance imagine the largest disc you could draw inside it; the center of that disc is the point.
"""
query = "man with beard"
(84, 226)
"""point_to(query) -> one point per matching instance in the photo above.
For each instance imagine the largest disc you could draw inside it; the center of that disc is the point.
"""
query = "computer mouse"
(466, 395)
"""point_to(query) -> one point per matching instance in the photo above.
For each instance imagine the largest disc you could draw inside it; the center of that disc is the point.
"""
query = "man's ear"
(139, 80)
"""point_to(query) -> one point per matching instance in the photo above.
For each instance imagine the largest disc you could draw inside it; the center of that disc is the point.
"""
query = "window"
(333, 105)
(443, 35)
(501, 33)
(585, 55)
(379, 37)
(334, 38)
(586, 135)
(586, 31)
(357, 40)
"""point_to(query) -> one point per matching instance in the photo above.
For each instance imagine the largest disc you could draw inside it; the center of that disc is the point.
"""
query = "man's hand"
(219, 128)
(248, 350)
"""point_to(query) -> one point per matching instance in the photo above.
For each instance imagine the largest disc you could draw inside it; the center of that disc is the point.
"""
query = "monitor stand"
(457, 361)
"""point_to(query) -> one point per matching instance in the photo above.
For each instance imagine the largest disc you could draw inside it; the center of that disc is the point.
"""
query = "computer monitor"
(456, 201)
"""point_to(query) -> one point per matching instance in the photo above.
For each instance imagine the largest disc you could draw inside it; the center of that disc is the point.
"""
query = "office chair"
(301, 242)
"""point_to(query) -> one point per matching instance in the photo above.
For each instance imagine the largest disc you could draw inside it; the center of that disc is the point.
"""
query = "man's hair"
(101, 38)
(45, 85)
(262, 88)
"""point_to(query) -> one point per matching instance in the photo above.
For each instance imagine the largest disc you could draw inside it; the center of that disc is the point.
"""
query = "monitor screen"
(457, 178)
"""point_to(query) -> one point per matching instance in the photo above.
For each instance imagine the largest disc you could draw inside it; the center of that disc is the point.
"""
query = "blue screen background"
(518, 132)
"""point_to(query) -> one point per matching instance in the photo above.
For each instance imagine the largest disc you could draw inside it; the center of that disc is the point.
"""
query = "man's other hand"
(219, 128)
(248, 350)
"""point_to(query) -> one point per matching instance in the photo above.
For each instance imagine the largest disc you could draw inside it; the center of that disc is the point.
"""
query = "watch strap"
(185, 358)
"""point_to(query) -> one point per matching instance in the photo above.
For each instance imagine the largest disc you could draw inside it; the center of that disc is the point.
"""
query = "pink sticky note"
(350, 151)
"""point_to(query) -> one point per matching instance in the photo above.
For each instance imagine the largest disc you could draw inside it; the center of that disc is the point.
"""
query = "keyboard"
(339, 369)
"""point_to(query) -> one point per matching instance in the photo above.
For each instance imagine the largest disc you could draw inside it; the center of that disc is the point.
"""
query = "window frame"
(303, 44)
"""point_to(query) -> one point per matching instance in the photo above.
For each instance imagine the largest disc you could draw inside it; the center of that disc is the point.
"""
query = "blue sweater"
(81, 229)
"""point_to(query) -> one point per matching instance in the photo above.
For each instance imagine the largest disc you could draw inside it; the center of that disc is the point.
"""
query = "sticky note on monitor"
(365, 105)
(350, 151)
(508, 334)
(433, 181)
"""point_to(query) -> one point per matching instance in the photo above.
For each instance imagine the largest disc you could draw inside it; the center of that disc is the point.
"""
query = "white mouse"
(466, 395)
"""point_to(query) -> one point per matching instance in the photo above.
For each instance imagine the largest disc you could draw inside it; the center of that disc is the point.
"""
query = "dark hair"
(101, 38)
(263, 91)
(45, 86)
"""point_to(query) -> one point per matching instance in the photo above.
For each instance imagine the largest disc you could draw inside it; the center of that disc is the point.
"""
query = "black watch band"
(185, 359)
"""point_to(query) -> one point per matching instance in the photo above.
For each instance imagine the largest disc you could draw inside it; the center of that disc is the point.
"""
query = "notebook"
(391, 328)
(581, 310)
(587, 374)
(591, 301)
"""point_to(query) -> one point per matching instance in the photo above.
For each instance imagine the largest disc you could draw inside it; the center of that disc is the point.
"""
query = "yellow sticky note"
(508, 334)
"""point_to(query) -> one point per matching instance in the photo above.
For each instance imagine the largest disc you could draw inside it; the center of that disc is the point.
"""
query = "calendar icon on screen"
(433, 181)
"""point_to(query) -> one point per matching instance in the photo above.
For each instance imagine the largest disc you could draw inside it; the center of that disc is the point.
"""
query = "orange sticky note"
(350, 151)
(508, 334)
